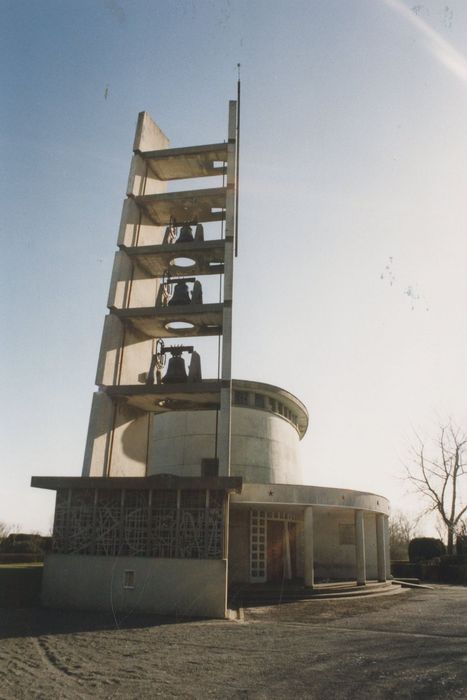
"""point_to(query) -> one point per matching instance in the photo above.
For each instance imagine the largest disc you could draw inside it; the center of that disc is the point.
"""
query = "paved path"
(409, 646)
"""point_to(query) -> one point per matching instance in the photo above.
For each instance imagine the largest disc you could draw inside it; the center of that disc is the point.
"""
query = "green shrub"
(423, 548)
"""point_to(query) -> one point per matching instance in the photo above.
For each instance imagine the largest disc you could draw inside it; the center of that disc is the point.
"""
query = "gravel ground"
(412, 645)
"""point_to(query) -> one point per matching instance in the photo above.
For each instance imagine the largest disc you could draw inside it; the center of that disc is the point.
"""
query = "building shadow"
(38, 621)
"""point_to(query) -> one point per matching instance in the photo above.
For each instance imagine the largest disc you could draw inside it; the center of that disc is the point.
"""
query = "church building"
(192, 484)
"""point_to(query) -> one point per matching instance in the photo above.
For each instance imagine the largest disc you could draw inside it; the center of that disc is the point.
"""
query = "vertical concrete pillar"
(386, 546)
(380, 546)
(226, 371)
(360, 548)
(287, 558)
(309, 559)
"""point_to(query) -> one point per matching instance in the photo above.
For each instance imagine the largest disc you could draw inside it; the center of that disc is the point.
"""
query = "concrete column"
(380, 547)
(309, 561)
(360, 548)
(287, 559)
(226, 371)
(386, 545)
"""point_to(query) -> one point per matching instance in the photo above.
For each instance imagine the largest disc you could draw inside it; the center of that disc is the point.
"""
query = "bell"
(176, 372)
(180, 296)
(197, 293)
(185, 235)
(199, 233)
(194, 371)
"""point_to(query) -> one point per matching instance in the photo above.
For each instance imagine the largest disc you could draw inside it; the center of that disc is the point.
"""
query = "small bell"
(194, 372)
(180, 296)
(199, 232)
(176, 371)
(185, 235)
(197, 293)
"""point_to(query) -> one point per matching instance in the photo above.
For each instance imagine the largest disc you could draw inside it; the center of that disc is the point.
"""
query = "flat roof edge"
(156, 481)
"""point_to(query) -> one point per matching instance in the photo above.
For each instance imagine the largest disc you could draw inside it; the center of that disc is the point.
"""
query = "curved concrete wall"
(264, 445)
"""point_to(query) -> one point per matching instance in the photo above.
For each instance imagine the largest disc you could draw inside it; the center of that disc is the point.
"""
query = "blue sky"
(350, 286)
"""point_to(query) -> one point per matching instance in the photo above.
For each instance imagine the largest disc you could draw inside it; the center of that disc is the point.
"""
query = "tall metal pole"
(237, 160)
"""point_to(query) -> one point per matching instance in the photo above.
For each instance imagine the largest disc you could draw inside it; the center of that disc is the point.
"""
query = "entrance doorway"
(275, 546)
(281, 550)
(275, 562)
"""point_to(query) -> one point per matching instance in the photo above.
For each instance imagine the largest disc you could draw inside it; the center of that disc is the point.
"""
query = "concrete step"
(257, 595)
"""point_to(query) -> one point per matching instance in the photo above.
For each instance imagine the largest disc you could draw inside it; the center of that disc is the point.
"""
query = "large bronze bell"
(185, 235)
(180, 297)
(176, 371)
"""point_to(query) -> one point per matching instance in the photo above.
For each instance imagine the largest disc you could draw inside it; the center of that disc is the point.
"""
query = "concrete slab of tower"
(192, 484)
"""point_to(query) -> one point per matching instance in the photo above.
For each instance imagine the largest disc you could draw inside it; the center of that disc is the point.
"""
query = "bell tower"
(170, 240)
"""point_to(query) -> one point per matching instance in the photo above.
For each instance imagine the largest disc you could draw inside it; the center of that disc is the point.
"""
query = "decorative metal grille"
(108, 530)
(60, 537)
(163, 524)
(114, 522)
(215, 525)
(258, 545)
(135, 523)
(80, 521)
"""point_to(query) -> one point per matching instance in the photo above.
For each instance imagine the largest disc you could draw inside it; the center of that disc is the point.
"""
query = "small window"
(259, 401)
(346, 533)
(241, 398)
(272, 404)
(128, 579)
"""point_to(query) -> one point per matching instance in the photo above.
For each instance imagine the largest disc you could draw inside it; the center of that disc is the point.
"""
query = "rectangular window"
(259, 401)
(241, 398)
(258, 524)
(346, 533)
(128, 579)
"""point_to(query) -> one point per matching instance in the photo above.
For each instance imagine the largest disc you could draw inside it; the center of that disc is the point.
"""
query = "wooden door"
(292, 529)
(275, 562)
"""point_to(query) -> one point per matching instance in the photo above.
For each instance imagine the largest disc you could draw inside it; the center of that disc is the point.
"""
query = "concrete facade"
(264, 445)
(133, 584)
(192, 483)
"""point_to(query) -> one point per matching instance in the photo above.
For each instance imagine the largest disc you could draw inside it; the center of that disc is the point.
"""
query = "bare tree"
(401, 531)
(439, 474)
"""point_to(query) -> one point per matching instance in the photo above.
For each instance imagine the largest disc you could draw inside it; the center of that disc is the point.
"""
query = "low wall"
(188, 587)
(442, 572)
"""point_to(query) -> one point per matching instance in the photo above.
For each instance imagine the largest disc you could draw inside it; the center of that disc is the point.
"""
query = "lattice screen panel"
(187, 524)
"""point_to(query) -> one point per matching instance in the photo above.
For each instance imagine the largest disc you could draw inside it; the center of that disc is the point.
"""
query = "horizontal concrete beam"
(263, 495)
(187, 206)
(184, 163)
(168, 482)
(206, 320)
(159, 398)
(155, 260)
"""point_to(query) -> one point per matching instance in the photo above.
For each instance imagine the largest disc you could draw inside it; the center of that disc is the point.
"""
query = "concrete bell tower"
(161, 242)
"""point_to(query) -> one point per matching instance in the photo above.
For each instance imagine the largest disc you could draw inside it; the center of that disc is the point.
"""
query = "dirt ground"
(412, 645)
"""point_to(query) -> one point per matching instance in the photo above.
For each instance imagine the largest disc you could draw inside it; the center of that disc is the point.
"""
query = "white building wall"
(334, 559)
(264, 445)
(192, 587)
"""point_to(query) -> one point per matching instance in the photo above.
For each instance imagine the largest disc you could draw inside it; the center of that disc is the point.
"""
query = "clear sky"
(351, 289)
